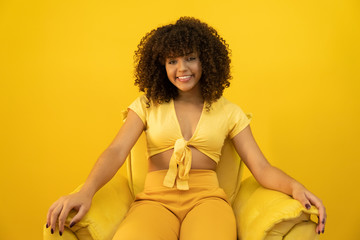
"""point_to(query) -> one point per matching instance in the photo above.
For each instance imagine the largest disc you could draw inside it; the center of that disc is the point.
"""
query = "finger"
(322, 220)
(62, 218)
(81, 213)
(54, 217)
(304, 201)
(48, 216)
(322, 212)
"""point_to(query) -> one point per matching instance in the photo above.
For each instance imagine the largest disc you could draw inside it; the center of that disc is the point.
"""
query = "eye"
(171, 62)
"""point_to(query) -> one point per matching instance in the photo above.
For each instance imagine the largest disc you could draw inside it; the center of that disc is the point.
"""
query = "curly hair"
(187, 35)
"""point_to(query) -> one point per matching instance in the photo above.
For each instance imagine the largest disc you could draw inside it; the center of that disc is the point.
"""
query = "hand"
(59, 210)
(306, 198)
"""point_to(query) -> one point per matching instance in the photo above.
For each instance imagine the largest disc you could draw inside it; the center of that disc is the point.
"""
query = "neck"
(190, 96)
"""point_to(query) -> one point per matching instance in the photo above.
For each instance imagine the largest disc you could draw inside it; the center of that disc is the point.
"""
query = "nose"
(182, 66)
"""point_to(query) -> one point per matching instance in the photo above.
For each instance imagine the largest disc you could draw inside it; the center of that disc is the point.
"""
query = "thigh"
(210, 219)
(148, 220)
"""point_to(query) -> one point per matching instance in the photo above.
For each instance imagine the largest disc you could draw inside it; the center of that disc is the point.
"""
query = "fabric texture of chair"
(261, 214)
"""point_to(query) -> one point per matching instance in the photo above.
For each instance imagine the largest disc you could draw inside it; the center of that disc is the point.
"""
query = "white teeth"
(184, 77)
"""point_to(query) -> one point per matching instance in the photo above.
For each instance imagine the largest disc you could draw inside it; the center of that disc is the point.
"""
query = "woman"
(183, 69)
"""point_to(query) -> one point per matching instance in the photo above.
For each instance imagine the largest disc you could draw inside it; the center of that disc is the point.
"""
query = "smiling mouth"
(184, 78)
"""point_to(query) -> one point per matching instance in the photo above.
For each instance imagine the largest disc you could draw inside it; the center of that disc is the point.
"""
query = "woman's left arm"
(272, 177)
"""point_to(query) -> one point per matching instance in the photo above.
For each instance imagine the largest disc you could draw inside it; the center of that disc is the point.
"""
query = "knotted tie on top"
(179, 166)
(225, 119)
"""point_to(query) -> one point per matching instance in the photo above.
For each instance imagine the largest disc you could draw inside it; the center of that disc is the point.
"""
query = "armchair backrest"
(229, 169)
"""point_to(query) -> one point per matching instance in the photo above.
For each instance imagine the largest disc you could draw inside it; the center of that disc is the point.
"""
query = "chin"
(184, 87)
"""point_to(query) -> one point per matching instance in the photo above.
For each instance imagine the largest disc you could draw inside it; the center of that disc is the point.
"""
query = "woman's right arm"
(104, 169)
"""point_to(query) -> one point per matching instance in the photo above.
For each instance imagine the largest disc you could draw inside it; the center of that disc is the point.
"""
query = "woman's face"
(184, 72)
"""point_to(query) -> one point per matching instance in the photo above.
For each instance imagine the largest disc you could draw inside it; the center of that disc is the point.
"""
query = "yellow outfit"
(163, 211)
(202, 212)
(163, 132)
(159, 212)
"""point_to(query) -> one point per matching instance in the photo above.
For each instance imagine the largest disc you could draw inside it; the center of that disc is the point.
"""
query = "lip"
(184, 78)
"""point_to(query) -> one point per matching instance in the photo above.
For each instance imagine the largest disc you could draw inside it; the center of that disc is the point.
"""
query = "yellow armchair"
(261, 214)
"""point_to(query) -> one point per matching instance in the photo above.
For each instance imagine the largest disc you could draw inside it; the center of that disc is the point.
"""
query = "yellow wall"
(66, 74)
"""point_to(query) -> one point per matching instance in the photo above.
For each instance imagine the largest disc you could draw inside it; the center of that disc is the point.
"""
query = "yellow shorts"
(159, 212)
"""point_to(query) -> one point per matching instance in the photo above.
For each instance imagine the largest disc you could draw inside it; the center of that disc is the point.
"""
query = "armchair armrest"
(108, 208)
(266, 214)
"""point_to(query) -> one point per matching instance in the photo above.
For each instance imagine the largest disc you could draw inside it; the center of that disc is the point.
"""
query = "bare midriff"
(199, 160)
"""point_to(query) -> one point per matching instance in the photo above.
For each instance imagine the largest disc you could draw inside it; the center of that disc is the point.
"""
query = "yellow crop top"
(224, 119)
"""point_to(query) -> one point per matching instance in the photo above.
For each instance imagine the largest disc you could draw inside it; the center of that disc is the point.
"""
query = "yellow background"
(66, 72)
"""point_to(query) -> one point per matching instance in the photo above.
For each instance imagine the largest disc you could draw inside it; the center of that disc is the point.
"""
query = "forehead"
(180, 54)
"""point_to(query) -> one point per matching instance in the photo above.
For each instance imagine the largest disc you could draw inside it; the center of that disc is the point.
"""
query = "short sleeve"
(139, 106)
(238, 120)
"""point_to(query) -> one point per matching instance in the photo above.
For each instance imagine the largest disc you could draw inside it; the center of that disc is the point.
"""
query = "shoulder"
(230, 110)
(148, 106)
(224, 104)
(140, 101)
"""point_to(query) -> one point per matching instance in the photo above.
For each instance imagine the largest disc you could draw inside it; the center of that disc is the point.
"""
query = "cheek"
(167, 71)
(199, 69)
(196, 66)
(170, 72)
